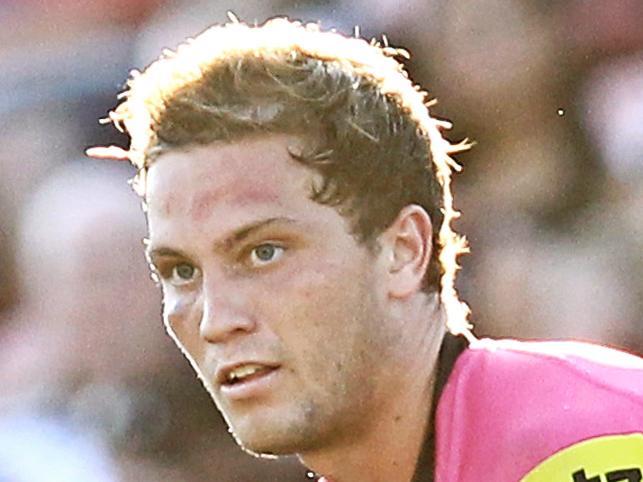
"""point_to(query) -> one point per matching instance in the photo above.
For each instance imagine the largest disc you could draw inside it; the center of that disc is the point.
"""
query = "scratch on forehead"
(168, 203)
(204, 201)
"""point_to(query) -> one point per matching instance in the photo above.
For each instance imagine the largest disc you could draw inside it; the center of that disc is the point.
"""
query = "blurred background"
(551, 195)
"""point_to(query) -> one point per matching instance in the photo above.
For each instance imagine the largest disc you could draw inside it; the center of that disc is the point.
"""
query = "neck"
(388, 454)
(389, 450)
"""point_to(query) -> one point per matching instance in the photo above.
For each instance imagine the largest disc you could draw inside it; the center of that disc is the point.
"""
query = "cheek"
(331, 338)
(181, 317)
(320, 303)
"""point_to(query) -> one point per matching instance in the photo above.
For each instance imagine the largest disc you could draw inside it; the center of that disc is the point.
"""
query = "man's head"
(255, 274)
(294, 188)
(364, 123)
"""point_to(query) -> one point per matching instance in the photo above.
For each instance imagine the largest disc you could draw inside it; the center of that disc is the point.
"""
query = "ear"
(408, 243)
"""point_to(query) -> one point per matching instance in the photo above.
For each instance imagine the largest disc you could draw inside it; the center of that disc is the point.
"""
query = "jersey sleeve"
(541, 411)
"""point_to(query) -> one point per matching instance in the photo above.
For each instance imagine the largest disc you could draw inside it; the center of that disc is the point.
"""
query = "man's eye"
(182, 273)
(265, 254)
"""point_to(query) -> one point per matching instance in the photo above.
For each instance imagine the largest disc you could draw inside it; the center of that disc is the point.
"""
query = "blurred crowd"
(551, 91)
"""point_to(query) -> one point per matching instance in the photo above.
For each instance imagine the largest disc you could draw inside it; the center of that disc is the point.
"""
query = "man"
(298, 204)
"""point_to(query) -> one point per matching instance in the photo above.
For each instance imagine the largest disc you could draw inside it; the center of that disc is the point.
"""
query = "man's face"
(271, 298)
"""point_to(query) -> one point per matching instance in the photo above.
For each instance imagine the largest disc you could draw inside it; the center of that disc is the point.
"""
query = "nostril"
(219, 323)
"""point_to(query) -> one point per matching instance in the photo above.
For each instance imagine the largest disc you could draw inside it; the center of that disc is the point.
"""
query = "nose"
(224, 314)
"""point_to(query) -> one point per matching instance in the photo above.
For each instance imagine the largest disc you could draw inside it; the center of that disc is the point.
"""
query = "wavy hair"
(366, 127)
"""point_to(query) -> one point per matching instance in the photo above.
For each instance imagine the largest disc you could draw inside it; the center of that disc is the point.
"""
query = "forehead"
(222, 169)
(230, 183)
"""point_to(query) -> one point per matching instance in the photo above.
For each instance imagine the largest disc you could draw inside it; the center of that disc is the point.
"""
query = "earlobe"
(410, 238)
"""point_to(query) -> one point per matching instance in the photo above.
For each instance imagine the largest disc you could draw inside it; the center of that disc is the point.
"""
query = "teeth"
(243, 371)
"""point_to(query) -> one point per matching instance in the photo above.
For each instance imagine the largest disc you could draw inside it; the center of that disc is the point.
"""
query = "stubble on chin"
(287, 436)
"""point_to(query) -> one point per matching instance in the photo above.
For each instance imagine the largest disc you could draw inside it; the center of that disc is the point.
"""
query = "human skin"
(253, 270)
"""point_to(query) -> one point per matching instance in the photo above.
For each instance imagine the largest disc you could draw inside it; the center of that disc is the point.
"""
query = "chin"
(263, 454)
(268, 443)
(266, 446)
(277, 431)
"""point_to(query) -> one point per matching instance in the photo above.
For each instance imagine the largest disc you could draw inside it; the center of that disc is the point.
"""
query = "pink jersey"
(541, 412)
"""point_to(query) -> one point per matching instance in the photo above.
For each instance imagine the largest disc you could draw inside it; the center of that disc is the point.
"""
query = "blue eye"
(183, 273)
(265, 254)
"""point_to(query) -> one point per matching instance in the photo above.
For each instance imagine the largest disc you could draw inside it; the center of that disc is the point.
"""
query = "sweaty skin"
(252, 270)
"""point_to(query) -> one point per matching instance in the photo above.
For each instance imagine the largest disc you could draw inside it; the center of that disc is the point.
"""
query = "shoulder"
(508, 406)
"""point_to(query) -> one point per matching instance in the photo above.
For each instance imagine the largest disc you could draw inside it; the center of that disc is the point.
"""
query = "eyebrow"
(247, 230)
(225, 244)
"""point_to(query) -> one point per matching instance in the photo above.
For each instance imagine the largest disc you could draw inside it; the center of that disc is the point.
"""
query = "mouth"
(246, 380)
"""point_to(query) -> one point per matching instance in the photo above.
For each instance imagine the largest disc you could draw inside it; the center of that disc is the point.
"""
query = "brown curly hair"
(366, 126)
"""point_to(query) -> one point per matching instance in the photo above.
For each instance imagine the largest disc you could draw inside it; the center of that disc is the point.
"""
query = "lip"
(221, 374)
(252, 388)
